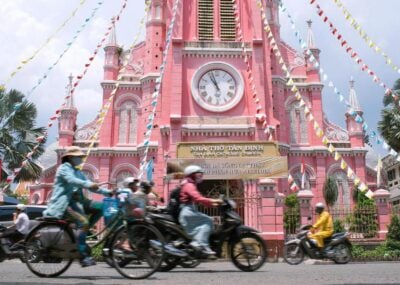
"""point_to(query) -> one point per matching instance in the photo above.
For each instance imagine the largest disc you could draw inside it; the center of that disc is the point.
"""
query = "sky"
(26, 25)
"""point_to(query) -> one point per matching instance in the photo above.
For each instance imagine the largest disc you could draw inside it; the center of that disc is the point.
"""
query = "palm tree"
(389, 125)
(18, 135)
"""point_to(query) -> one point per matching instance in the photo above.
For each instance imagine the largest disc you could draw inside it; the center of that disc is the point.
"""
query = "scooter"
(337, 248)
(246, 248)
(10, 250)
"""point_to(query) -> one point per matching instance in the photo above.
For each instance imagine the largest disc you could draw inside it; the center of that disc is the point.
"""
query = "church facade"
(205, 106)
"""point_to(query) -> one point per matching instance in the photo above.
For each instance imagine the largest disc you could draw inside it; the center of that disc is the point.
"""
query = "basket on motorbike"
(135, 206)
(110, 208)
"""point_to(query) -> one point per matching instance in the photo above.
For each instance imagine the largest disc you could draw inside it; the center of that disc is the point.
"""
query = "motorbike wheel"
(169, 263)
(248, 252)
(189, 263)
(293, 254)
(342, 254)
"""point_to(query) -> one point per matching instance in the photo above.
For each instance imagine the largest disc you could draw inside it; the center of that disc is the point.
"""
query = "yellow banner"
(234, 168)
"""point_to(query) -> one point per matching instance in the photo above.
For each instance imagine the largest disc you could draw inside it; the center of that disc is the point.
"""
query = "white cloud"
(28, 24)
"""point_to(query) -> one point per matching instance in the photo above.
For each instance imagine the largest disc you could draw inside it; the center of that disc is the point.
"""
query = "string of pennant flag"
(351, 52)
(51, 67)
(373, 134)
(24, 62)
(367, 39)
(107, 105)
(55, 116)
(261, 116)
(157, 90)
(317, 129)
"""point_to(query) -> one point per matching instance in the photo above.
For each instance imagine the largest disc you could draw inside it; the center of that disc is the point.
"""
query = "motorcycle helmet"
(21, 207)
(192, 169)
(319, 207)
(129, 180)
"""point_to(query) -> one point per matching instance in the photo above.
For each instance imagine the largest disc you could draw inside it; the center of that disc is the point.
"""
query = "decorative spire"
(353, 101)
(112, 39)
(310, 36)
(70, 101)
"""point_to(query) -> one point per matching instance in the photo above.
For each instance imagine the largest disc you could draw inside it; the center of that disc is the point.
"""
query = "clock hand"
(214, 81)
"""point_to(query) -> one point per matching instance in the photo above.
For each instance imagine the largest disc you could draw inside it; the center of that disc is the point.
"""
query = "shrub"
(291, 216)
(97, 253)
(393, 236)
(338, 226)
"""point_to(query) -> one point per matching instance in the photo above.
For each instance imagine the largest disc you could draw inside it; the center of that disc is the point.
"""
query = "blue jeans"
(196, 224)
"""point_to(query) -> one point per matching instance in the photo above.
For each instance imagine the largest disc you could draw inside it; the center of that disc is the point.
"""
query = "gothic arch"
(92, 169)
(344, 186)
(127, 97)
(123, 167)
(311, 177)
(291, 99)
(36, 199)
(298, 123)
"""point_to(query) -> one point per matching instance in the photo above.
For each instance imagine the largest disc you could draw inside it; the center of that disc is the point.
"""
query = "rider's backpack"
(174, 203)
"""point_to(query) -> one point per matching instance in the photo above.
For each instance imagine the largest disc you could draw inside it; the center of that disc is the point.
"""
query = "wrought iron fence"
(361, 221)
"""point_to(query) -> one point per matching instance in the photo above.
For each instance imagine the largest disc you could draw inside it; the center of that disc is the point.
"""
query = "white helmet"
(129, 180)
(320, 205)
(21, 207)
(191, 169)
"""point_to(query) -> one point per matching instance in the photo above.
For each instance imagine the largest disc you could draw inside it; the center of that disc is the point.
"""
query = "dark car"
(6, 213)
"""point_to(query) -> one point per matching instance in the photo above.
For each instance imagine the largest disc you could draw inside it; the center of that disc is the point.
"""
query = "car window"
(34, 213)
(6, 214)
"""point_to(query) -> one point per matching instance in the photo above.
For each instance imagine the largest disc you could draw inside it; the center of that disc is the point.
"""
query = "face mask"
(76, 160)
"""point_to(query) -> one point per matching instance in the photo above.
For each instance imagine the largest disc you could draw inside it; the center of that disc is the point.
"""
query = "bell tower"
(111, 59)
(67, 119)
(354, 119)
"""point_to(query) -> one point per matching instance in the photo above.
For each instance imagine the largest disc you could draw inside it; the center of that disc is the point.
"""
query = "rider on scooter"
(20, 227)
(195, 223)
(323, 226)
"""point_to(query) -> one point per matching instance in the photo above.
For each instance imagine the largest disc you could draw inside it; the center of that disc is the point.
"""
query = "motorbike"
(10, 250)
(246, 248)
(337, 248)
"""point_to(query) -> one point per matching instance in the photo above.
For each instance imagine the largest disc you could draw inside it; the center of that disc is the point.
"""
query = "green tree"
(18, 135)
(393, 236)
(291, 216)
(330, 192)
(389, 125)
(364, 219)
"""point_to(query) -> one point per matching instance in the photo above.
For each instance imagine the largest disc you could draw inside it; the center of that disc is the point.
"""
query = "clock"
(217, 87)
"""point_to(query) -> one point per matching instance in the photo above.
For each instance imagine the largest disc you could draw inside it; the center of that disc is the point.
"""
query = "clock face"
(217, 87)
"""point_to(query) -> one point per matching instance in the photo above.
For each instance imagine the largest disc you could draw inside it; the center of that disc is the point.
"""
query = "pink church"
(205, 112)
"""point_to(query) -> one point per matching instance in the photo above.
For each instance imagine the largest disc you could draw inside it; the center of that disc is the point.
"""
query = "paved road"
(14, 272)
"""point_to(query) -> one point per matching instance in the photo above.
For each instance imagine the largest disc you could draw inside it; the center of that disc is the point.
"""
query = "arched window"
(121, 176)
(298, 176)
(49, 196)
(35, 199)
(298, 124)
(158, 12)
(127, 123)
(344, 195)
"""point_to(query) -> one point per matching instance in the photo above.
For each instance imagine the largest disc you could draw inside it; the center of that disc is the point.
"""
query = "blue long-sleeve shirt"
(68, 181)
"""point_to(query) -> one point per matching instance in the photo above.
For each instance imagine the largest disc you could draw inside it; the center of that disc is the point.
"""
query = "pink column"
(305, 197)
(381, 197)
(271, 217)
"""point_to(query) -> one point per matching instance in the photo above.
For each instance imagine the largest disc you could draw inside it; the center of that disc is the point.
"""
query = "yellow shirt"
(324, 222)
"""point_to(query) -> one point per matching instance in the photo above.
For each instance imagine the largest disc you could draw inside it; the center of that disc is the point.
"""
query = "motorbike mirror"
(309, 218)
